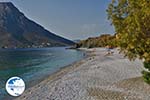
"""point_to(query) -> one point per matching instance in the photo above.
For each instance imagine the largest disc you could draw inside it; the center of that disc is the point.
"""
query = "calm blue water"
(33, 65)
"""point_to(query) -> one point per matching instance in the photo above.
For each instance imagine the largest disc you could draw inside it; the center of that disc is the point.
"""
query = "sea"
(34, 64)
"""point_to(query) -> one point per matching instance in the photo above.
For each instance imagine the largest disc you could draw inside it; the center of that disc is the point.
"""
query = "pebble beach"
(97, 77)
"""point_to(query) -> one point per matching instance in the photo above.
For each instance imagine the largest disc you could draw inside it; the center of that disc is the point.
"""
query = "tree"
(131, 19)
(101, 41)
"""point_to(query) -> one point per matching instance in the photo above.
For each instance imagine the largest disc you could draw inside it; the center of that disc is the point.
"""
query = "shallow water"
(33, 64)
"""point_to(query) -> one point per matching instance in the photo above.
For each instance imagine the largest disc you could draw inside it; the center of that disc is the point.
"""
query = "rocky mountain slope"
(17, 31)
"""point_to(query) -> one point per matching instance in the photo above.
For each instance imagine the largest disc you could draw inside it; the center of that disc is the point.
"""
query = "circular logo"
(15, 86)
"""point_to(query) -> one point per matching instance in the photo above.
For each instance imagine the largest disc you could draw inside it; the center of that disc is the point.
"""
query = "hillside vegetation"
(101, 41)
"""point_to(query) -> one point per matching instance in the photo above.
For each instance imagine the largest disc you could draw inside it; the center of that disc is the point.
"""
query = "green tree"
(101, 41)
(131, 19)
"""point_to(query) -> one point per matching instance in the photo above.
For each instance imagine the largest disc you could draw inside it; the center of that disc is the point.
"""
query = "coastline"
(58, 74)
(30, 84)
(95, 77)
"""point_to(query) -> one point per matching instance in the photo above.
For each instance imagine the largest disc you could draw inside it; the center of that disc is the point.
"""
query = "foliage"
(101, 41)
(146, 76)
(131, 19)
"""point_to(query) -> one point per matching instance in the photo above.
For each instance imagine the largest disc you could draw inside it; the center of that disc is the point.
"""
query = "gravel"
(97, 77)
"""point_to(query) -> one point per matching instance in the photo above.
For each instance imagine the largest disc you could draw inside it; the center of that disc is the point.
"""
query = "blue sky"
(73, 19)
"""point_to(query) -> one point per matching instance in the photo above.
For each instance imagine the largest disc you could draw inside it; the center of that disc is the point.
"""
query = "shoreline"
(95, 77)
(61, 72)
(55, 74)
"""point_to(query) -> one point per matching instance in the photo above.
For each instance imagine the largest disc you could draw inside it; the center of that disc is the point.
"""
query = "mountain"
(77, 41)
(17, 31)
